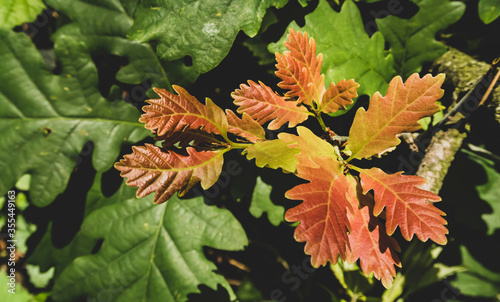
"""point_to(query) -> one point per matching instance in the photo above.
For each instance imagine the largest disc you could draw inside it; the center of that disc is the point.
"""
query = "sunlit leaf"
(164, 173)
(174, 113)
(337, 97)
(263, 105)
(245, 127)
(14, 12)
(348, 51)
(406, 205)
(273, 154)
(375, 130)
(370, 243)
(300, 69)
(323, 213)
(204, 30)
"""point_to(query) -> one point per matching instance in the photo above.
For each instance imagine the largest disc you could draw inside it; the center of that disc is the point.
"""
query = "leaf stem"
(234, 145)
(321, 122)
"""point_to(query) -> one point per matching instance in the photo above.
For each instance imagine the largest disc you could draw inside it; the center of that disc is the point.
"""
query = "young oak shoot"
(346, 211)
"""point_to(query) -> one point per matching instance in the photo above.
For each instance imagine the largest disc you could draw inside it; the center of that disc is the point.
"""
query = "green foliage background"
(75, 75)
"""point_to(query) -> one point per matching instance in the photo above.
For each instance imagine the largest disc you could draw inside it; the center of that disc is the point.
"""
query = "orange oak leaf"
(245, 127)
(300, 69)
(323, 213)
(262, 105)
(370, 243)
(155, 171)
(337, 97)
(407, 206)
(174, 113)
(375, 130)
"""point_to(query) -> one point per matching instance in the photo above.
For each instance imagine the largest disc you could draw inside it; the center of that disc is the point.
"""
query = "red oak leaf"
(300, 69)
(245, 127)
(370, 243)
(262, 105)
(407, 206)
(174, 113)
(375, 130)
(155, 171)
(337, 97)
(323, 213)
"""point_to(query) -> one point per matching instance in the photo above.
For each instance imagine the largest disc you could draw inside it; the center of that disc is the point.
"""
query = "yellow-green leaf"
(273, 154)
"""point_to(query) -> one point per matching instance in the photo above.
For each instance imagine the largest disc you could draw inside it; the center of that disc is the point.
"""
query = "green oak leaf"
(46, 119)
(477, 281)
(103, 26)
(489, 191)
(261, 202)
(273, 154)
(150, 252)
(47, 256)
(489, 10)
(14, 12)
(201, 29)
(412, 41)
(348, 51)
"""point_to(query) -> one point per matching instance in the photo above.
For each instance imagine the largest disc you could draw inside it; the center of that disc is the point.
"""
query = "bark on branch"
(470, 78)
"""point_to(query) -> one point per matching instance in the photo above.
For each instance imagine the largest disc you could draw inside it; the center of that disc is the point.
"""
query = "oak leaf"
(175, 113)
(263, 105)
(155, 171)
(311, 146)
(273, 154)
(245, 127)
(369, 241)
(337, 97)
(327, 198)
(300, 69)
(375, 130)
(407, 206)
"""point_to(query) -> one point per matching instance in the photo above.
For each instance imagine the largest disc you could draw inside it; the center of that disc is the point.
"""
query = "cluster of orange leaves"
(342, 214)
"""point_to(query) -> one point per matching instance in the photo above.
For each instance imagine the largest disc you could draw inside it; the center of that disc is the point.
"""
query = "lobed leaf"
(300, 69)
(261, 202)
(370, 243)
(375, 130)
(46, 120)
(407, 206)
(327, 198)
(263, 105)
(348, 51)
(412, 41)
(163, 173)
(103, 25)
(150, 252)
(245, 127)
(337, 97)
(203, 30)
(174, 113)
(273, 154)
(311, 147)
